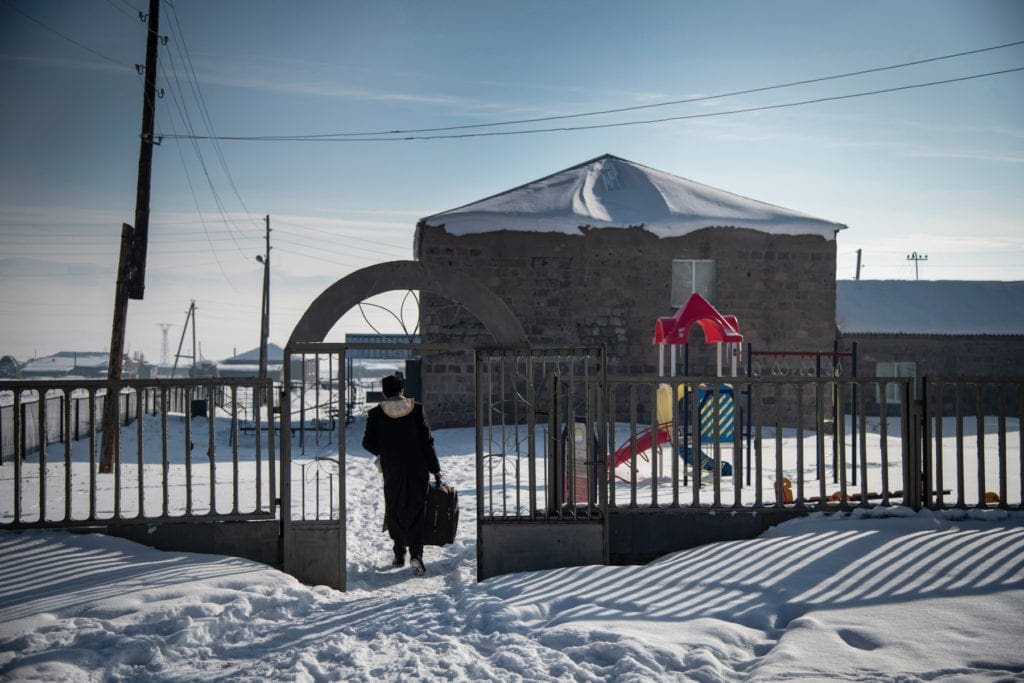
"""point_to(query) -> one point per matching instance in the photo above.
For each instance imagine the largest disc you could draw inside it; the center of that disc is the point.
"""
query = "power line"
(619, 110)
(319, 245)
(620, 124)
(656, 104)
(325, 260)
(181, 105)
(66, 37)
(195, 199)
(123, 11)
(201, 101)
(336, 234)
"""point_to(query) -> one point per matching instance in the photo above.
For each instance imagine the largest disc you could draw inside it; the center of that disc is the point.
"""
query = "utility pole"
(917, 258)
(138, 283)
(265, 306)
(131, 264)
(858, 263)
(189, 316)
(195, 357)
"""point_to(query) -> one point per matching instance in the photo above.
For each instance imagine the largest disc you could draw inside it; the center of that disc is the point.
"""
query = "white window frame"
(894, 369)
(682, 290)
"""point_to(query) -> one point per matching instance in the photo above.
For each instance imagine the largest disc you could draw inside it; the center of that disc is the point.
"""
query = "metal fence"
(971, 433)
(756, 443)
(52, 420)
(179, 452)
(817, 443)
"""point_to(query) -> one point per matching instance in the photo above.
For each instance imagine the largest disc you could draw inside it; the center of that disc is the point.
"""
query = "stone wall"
(996, 356)
(607, 286)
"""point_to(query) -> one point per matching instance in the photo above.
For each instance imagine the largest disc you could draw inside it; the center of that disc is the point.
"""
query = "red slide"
(643, 444)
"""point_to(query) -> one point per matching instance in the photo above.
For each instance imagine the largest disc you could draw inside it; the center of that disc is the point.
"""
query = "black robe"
(397, 432)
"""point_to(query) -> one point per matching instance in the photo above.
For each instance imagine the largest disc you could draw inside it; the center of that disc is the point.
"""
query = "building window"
(691, 276)
(895, 369)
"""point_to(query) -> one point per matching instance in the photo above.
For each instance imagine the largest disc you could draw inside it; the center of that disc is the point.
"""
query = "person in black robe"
(398, 434)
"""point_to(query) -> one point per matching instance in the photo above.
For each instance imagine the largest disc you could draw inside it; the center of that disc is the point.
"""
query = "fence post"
(24, 434)
(926, 445)
(913, 444)
(63, 426)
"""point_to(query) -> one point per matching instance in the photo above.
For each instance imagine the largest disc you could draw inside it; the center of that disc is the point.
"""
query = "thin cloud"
(279, 75)
(85, 64)
(58, 216)
(279, 80)
(941, 153)
(23, 266)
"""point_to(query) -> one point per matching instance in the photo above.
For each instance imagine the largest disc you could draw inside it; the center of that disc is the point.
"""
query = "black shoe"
(399, 560)
(417, 566)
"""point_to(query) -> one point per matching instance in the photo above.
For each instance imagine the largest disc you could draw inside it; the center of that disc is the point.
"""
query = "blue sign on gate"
(383, 340)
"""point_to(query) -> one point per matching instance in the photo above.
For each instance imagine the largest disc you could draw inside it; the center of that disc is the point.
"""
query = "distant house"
(596, 253)
(88, 364)
(247, 364)
(933, 328)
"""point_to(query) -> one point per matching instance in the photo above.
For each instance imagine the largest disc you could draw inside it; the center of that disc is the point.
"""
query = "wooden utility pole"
(265, 307)
(131, 265)
(858, 263)
(190, 316)
(138, 283)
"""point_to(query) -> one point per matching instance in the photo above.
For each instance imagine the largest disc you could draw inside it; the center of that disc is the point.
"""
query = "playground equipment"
(719, 406)
(716, 405)
(718, 329)
(710, 429)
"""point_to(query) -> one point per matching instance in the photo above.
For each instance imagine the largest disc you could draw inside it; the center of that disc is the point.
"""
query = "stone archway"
(351, 290)
(315, 550)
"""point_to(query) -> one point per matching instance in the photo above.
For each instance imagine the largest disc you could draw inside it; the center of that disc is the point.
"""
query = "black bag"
(442, 515)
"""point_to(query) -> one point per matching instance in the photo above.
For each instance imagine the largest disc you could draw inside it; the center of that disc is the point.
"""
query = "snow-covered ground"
(877, 595)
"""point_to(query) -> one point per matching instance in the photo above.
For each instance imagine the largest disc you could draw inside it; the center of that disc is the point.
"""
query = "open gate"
(541, 479)
(313, 535)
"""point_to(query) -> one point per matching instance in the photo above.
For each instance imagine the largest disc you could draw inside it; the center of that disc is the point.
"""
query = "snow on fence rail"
(178, 454)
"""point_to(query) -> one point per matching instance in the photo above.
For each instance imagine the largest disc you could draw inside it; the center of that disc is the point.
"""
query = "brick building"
(594, 254)
(918, 329)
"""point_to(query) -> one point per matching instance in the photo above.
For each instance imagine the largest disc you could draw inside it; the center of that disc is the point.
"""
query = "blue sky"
(936, 170)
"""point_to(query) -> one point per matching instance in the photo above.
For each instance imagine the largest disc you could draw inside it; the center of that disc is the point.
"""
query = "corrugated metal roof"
(275, 354)
(930, 307)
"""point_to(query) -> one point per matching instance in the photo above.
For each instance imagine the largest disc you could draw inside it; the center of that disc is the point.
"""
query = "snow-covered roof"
(65, 361)
(612, 192)
(929, 307)
(275, 354)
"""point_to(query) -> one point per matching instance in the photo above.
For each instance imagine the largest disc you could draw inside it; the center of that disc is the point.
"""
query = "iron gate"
(542, 437)
(541, 487)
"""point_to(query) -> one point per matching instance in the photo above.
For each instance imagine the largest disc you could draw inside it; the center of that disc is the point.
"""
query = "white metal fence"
(185, 449)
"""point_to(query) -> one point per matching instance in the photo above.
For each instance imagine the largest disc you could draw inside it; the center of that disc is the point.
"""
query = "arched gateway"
(462, 289)
(315, 550)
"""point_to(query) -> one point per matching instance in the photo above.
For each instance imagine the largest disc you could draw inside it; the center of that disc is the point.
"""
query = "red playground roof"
(717, 327)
